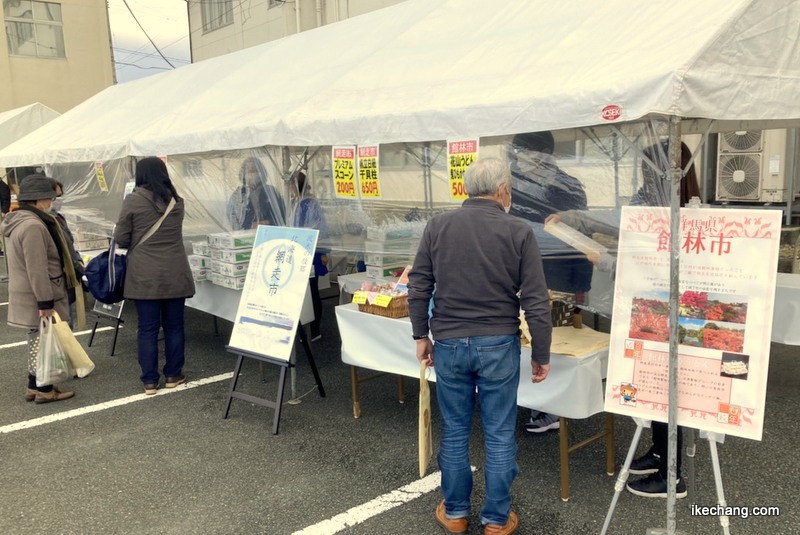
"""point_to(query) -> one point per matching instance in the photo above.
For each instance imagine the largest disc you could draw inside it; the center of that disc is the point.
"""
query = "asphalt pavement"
(112, 461)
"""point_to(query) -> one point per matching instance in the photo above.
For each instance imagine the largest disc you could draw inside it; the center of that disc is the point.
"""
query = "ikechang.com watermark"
(742, 511)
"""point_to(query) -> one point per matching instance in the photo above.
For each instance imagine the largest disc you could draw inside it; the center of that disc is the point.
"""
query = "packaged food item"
(382, 299)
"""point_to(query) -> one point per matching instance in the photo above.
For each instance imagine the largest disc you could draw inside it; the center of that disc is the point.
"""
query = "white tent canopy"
(19, 122)
(448, 69)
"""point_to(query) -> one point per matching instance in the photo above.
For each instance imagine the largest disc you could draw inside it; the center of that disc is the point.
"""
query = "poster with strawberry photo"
(728, 271)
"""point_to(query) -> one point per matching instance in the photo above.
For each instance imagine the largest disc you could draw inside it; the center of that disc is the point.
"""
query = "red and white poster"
(728, 271)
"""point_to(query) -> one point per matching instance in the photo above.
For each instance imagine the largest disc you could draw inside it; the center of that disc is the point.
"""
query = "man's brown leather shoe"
(510, 527)
(451, 525)
(30, 394)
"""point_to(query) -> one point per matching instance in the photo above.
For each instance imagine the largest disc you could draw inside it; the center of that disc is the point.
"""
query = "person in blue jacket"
(307, 213)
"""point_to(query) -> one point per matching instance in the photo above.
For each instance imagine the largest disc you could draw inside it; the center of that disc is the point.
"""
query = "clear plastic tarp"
(579, 178)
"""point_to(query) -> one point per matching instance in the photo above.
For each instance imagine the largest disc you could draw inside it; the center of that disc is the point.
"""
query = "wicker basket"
(398, 308)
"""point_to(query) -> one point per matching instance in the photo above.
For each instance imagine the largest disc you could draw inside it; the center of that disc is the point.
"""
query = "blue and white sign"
(274, 290)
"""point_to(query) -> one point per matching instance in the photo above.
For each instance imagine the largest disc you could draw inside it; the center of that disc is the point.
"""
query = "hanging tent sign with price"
(368, 172)
(459, 155)
(344, 172)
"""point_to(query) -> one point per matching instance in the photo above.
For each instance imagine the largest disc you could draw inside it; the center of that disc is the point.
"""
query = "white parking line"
(27, 424)
(79, 333)
(379, 505)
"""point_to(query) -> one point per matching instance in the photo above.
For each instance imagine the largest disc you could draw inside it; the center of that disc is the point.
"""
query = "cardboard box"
(398, 247)
(228, 269)
(199, 274)
(383, 271)
(197, 261)
(234, 283)
(240, 239)
(91, 245)
(200, 248)
(387, 259)
(233, 256)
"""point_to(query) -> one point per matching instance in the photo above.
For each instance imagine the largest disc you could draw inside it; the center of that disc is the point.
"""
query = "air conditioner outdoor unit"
(751, 166)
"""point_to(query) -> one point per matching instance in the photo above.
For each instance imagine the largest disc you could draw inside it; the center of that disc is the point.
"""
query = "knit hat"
(538, 141)
(35, 187)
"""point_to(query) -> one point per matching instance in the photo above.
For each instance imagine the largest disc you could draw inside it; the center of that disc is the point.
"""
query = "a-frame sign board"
(267, 323)
(284, 366)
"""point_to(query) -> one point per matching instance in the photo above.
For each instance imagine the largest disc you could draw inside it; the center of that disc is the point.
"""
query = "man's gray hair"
(485, 175)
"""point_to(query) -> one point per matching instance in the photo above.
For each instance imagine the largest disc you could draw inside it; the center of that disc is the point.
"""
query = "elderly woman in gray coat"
(38, 260)
(158, 277)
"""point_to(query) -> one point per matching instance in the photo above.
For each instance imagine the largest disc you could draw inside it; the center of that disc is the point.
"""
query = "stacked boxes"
(229, 257)
(199, 261)
(562, 308)
(387, 256)
(89, 241)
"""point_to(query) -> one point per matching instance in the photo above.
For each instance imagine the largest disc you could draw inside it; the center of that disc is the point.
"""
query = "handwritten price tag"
(360, 298)
(383, 300)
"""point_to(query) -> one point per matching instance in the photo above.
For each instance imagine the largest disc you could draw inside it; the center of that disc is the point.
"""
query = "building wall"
(258, 21)
(62, 83)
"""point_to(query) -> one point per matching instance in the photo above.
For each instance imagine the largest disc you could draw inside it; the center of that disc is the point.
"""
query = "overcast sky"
(166, 23)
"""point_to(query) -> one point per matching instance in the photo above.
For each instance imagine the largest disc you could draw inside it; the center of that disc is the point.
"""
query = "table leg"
(563, 450)
(610, 453)
(401, 390)
(354, 388)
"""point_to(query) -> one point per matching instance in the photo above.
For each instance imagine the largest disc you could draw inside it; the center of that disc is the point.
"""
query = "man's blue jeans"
(490, 364)
(154, 314)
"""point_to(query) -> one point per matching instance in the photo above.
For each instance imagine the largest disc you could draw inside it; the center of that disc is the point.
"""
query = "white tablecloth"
(786, 319)
(573, 389)
(224, 302)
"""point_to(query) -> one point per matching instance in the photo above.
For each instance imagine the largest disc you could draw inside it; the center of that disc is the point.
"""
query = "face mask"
(56, 205)
(507, 208)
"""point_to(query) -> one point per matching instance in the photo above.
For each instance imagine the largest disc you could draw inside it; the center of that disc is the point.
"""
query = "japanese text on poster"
(274, 291)
(101, 176)
(344, 172)
(728, 262)
(459, 155)
(369, 183)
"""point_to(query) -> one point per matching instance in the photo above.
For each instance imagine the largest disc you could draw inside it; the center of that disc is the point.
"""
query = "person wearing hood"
(255, 202)
(40, 271)
(158, 277)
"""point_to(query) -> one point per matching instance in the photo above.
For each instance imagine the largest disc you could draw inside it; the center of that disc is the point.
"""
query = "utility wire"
(139, 66)
(146, 34)
(147, 54)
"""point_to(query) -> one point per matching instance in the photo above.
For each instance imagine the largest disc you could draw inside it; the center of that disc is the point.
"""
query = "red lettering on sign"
(612, 112)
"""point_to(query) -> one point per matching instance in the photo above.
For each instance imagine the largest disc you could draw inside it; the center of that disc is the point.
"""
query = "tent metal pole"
(426, 178)
(674, 293)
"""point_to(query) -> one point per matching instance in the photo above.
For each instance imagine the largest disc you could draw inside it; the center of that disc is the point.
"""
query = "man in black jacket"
(541, 188)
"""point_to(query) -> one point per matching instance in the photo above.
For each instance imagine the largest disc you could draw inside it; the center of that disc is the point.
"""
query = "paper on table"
(577, 342)
(568, 341)
(574, 238)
